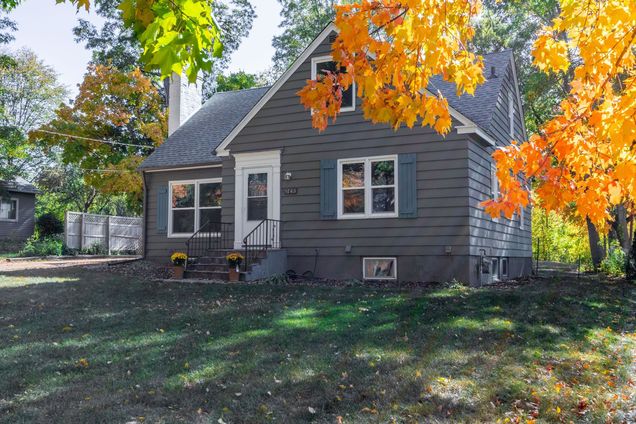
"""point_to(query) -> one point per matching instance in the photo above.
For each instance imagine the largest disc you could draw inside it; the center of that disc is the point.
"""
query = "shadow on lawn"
(251, 353)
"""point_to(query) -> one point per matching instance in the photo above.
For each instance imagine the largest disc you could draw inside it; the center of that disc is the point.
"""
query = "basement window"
(379, 268)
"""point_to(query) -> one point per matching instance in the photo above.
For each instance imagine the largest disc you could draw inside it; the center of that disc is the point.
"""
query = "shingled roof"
(479, 108)
(18, 187)
(194, 142)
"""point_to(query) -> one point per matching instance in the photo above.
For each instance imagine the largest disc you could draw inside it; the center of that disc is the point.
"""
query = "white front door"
(258, 201)
(257, 193)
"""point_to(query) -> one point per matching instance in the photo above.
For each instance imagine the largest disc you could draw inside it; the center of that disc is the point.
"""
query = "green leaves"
(175, 35)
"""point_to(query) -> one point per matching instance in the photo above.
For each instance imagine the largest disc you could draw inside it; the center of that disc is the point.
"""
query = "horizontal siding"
(442, 179)
(158, 246)
(23, 228)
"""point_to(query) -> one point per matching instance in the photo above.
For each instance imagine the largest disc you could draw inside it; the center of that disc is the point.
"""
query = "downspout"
(144, 213)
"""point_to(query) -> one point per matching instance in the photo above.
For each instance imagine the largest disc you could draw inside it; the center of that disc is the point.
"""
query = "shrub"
(94, 249)
(614, 262)
(49, 225)
(49, 246)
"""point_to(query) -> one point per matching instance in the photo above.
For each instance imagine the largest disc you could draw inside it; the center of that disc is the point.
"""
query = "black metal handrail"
(263, 237)
(211, 236)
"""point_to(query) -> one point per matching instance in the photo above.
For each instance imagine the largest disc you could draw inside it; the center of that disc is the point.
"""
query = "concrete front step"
(211, 275)
(216, 267)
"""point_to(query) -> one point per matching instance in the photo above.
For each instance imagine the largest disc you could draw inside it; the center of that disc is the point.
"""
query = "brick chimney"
(184, 99)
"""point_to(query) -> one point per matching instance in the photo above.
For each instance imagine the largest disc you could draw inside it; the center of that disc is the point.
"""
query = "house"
(17, 211)
(357, 201)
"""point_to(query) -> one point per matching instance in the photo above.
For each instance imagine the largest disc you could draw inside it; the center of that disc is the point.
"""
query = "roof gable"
(472, 112)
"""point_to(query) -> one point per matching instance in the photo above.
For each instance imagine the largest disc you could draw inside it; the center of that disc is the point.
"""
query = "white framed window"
(323, 64)
(504, 267)
(9, 209)
(379, 268)
(494, 184)
(368, 187)
(522, 218)
(192, 204)
(511, 113)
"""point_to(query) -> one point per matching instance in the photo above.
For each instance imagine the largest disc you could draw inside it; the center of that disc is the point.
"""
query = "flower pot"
(177, 271)
(233, 274)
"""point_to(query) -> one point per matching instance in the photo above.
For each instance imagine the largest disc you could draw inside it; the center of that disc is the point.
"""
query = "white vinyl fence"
(115, 234)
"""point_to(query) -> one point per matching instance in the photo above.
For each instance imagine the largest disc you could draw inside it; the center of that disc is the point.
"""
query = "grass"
(79, 346)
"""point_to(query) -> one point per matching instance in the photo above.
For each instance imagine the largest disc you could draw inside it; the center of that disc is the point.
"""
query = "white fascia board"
(474, 129)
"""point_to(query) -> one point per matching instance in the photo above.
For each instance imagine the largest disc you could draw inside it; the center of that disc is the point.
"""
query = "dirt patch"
(128, 267)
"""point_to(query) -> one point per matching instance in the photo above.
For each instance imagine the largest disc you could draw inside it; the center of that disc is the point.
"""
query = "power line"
(94, 139)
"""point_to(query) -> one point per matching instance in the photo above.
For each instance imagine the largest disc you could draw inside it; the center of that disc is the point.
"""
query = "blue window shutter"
(328, 189)
(407, 185)
(162, 209)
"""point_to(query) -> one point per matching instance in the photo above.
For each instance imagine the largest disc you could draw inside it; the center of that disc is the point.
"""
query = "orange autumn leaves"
(583, 159)
(391, 49)
(586, 155)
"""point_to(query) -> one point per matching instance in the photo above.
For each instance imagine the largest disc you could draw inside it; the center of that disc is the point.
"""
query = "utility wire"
(94, 139)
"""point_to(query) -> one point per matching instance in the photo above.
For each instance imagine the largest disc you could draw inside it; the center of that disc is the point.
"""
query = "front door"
(257, 191)
(258, 202)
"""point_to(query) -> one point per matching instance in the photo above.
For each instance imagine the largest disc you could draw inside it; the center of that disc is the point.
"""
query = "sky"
(46, 28)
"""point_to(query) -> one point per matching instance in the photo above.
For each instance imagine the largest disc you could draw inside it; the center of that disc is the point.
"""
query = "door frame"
(269, 159)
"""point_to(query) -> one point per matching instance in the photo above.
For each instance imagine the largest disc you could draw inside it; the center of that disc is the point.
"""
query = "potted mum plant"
(234, 261)
(178, 260)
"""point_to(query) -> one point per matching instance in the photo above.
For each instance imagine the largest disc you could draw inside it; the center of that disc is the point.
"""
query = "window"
(8, 209)
(495, 269)
(511, 113)
(320, 66)
(257, 197)
(522, 218)
(193, 204)
(367, 187)
(494, 184)
(379, 268)
(504, 267)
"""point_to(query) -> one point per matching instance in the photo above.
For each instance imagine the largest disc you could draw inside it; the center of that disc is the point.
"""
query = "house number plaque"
(290, 191)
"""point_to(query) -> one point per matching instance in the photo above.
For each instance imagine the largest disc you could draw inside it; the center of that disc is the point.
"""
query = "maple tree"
(175, 35)
(585, 156)
(116, 121)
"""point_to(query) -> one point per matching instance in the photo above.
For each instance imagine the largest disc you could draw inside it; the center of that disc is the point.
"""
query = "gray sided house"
(17, 211)
(358, 201)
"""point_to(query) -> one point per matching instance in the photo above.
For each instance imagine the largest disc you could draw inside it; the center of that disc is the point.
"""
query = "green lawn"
(80, 346)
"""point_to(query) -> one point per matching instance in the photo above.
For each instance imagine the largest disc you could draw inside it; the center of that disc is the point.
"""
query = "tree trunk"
(596, 249)
(621, 228)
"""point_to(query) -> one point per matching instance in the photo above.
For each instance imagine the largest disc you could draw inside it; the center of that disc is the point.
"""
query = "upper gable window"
(511, 113)
(320, 66)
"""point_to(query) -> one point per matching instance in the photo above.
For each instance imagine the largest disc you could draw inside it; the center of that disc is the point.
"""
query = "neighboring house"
(17, 210)
(356, 201)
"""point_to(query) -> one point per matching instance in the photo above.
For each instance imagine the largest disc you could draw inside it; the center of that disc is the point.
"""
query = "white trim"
(368, 188)
(222, 150)
(182, 169)
(522, 217)
(17, 209)
(364, 268)
(269, 160)
(474, 129)
(196, 208)
(329, 58)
